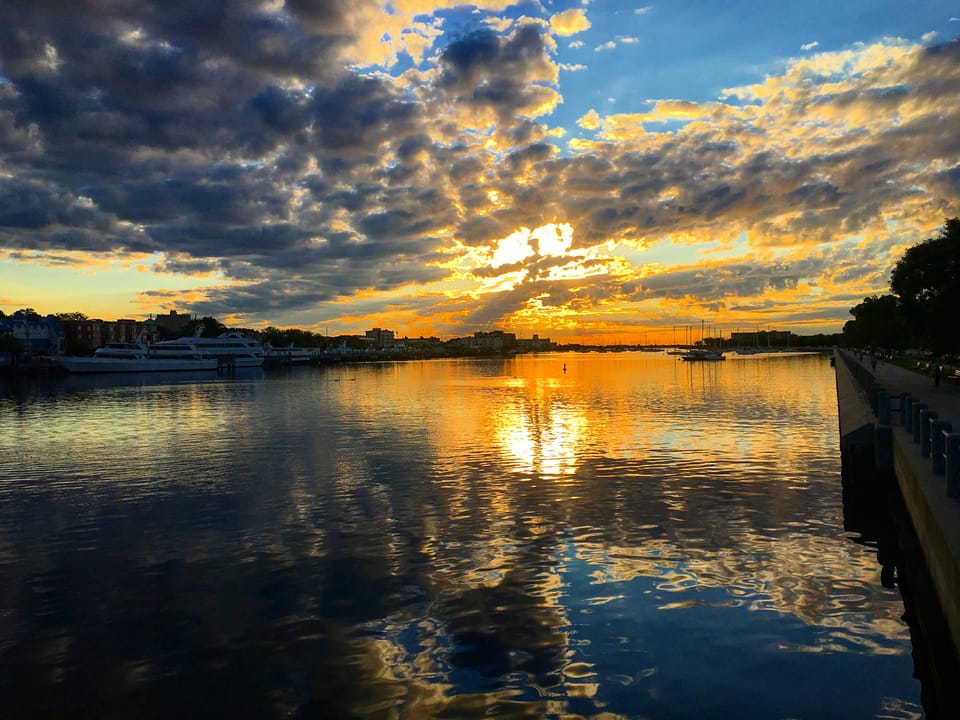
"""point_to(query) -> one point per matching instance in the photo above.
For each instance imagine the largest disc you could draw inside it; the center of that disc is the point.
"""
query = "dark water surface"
(634, 537)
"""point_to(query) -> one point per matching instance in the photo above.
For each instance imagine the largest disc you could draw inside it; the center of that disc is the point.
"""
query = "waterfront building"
(83, 336)
(173, 324)
(379, 338)
(535, 344)
(489, 341)
(38, 335)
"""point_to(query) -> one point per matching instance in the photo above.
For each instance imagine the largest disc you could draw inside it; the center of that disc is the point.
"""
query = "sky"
(587, 170)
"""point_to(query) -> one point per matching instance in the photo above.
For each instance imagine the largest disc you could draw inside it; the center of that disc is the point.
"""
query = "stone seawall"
(872, 449)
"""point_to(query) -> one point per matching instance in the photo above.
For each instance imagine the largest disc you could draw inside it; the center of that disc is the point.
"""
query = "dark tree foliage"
(70, 316)
(877, 322)
(926, 282)
(297, 337)
(211, 327)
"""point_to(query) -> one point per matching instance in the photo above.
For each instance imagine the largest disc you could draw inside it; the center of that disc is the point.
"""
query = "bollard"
(902, 408)
(951, 454)
(926, 417)
(907, 412)
(883, 407)
(939, 429)
(915, 411)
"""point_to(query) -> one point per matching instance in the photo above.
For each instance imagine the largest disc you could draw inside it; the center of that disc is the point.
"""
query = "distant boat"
(134, 357)
(701, 355)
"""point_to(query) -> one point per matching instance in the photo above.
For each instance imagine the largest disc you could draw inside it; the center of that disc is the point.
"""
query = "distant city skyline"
(580, 170)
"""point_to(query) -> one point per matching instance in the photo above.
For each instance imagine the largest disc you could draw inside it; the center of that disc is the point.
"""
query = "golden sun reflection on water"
(539, 436)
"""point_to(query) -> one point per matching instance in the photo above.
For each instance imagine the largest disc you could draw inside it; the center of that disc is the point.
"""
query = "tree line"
(922, 309)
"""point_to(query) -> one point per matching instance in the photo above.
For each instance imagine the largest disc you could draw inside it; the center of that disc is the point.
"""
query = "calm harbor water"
(630, 537)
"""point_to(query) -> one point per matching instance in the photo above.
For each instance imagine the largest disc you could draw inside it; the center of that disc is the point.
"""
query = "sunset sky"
(593, 170)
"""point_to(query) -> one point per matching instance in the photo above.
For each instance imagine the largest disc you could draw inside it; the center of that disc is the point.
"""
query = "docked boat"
(229, 348)
(702, 354)
(134, 357)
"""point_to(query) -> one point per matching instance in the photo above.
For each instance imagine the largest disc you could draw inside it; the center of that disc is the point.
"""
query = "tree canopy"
(877, 322)
(926, 282)
(211, 327)
(923, 309)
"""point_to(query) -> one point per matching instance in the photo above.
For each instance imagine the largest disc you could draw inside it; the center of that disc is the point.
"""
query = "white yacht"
(134, 357)
(232, 348)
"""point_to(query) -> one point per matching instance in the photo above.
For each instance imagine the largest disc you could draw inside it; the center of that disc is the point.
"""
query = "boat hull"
(116, 365)
(702, 356)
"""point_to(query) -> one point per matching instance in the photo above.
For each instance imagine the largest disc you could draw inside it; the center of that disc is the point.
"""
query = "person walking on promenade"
(873, 363)
(937, 372)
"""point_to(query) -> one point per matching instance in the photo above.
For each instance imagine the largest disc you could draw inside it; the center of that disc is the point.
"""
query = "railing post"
(903, 412)
(926, 417)
(915, 411)
(883, 407)
(939, 429)
(908, 413)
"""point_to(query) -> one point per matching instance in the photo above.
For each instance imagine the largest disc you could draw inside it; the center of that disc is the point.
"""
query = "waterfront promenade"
(934, 513)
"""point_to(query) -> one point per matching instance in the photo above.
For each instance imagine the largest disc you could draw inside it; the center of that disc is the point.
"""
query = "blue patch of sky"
(696, 49)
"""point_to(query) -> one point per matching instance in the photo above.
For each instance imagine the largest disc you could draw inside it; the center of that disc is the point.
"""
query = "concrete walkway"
(945, 399)
(935, 515)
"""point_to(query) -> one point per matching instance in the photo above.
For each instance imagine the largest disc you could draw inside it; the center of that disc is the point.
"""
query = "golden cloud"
(569, 22)
(590, 121)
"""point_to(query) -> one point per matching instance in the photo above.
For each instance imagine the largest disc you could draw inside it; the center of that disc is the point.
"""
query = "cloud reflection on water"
(446, 538)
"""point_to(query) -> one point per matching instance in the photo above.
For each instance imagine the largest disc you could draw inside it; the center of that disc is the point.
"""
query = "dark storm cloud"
(181, 121)
(34, 215)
